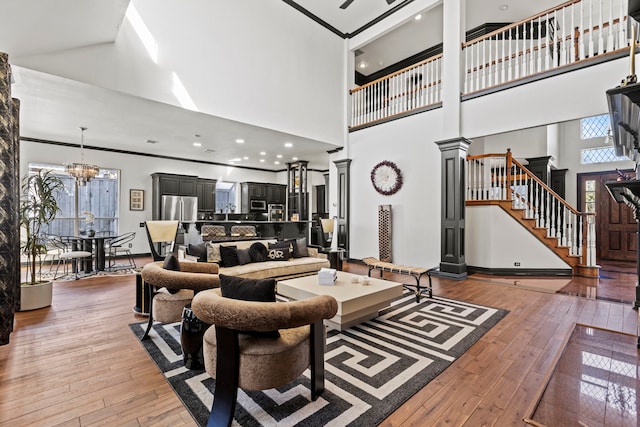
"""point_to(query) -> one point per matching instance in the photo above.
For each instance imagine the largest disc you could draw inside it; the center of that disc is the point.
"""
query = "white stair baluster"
(516, 73)
(600, 31)
(548, 57)
(622, 38)
(581, 52)
(539, 54)
(572, 51)
(610, 38)
(483, 79)
(591, 41)
(563, 40)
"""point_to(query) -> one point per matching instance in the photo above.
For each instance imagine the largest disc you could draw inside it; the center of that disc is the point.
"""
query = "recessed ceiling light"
(237, 159)
(294, 159)
(418, 17)
(262, 153)
(503, 7)
(288, 144)
(279, 156)
(151, 141)
(261, 160)
(197, 144)
(245, 158)
(362, 65)
(240, 141)
(276, 162)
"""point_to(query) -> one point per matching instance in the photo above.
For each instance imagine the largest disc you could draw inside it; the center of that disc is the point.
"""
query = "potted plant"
(38, 207)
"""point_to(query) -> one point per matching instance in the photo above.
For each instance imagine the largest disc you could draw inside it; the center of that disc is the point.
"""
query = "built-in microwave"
(258, 205)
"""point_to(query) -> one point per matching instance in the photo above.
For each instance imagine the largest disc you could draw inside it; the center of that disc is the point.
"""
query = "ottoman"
(167, 308)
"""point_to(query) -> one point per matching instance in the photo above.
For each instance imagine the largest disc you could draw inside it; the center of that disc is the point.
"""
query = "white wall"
(498, 241)
(136, 173)
(569, 96)
(409, 143)
(262, 63)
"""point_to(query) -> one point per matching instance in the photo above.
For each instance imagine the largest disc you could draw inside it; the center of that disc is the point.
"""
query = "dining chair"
(71, 254)
(118, 246)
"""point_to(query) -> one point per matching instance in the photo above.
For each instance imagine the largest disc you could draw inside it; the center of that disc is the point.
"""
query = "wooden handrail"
(518, 23)
(404, 70)
(547, 188)
(510, 160)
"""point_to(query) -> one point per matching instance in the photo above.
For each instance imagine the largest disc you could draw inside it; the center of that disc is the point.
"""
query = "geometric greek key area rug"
(370, 369)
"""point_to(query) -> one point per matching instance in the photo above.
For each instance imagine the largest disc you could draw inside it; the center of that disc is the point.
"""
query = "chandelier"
(82, 171)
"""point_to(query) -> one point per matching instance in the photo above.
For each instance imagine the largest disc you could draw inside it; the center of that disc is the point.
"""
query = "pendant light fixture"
(82, 171)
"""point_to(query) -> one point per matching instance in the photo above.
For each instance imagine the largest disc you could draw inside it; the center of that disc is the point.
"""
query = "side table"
(142, 295)
(335, 257)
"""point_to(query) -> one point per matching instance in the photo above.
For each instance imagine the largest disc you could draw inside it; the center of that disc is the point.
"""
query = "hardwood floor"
(77, 364)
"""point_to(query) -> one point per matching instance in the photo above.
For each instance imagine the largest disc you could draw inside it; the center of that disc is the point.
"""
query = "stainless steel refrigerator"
(181, 208)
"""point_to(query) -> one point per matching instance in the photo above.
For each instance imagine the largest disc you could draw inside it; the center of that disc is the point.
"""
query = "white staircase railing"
(499, 177)
(411, 88)
(566, 34)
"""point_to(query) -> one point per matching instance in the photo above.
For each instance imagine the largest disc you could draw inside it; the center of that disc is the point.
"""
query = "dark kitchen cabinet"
(276, 194)
(167, 184)
(206, 192)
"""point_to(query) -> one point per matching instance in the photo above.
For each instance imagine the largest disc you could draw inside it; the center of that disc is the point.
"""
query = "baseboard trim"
(521, 271)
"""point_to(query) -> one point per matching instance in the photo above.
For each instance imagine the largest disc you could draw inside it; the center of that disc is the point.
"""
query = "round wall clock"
(386, 178)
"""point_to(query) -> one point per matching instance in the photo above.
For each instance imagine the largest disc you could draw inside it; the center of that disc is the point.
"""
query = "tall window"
(100, 196)
(225, 197)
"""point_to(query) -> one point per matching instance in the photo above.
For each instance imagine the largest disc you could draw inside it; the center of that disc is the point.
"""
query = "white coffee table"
(357, 303)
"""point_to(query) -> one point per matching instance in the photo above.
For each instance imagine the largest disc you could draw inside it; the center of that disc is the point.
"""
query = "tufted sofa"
(278, 270)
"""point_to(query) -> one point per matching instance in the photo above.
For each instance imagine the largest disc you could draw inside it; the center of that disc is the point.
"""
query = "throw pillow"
(241, 288)
(213, 252)
(229, 256)
(243, 256)
(171, 263)
(300, 249)
(199, 251)
(258, 252)
(281, 254)
(284, 244)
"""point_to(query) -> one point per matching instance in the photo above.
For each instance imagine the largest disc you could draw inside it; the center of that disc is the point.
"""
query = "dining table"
(94, 244)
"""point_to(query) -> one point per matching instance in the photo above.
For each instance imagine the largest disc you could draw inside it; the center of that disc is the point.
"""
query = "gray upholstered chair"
(255, 362)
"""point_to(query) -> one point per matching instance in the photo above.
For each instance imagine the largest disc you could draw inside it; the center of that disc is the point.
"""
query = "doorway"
(615, 225)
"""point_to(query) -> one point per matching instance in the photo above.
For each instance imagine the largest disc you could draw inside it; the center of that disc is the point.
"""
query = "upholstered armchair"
(196, 276)
(236, 359)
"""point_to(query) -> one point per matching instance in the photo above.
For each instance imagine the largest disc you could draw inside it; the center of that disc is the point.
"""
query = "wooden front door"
(615, 226)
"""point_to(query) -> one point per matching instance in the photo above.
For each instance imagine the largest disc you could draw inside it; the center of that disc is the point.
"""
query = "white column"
(553, 141)
(453, 36)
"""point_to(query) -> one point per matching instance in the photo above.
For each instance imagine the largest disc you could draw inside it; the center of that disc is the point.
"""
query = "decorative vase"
(91, 232)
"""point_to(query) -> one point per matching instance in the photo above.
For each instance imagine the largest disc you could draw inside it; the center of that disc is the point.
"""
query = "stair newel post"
(508, 166)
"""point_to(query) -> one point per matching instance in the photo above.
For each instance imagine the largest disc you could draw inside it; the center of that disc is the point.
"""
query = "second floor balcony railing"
(569, 35)
(409, 89)
(575, 31)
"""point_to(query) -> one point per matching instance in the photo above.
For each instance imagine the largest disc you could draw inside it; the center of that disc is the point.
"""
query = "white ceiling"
(52, 108)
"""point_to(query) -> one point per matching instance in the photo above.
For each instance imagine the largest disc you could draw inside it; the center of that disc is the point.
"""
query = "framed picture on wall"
(136, 200)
